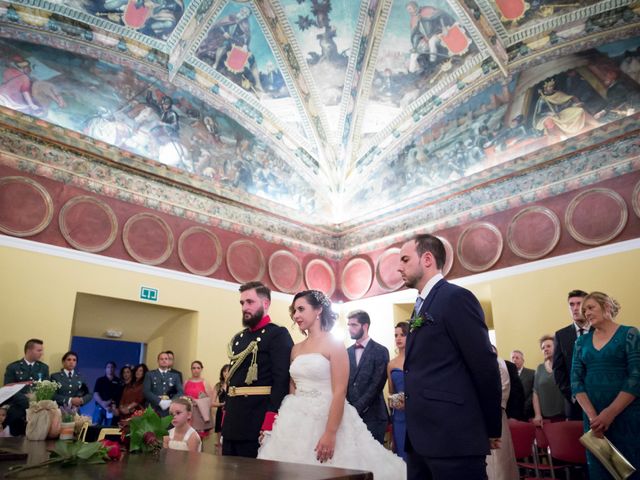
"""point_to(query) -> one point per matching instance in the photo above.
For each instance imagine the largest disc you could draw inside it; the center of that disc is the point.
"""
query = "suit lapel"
(423, 310)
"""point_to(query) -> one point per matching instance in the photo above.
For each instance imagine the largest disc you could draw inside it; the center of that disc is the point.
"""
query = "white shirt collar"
(67, 372)
(585, 329)
(31, 364)
(364, 342)
(432, 281)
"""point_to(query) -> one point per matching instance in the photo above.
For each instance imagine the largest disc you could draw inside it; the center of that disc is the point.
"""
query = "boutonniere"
(418, 321)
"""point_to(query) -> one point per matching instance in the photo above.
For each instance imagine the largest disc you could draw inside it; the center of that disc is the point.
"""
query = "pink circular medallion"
(199, 251)
(88, 224)
(148, 238)
(245, 261)
(533, 232)
(387, 269)
(285, 271)
(356, 278)
(448, 249)
(635, 199)
(26, 207)
(318, 275)
(596, 216)
(479, 246)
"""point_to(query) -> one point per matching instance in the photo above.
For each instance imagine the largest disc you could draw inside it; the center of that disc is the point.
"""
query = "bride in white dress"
(315, 424)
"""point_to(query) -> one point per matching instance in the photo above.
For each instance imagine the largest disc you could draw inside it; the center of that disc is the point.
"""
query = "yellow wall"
(526, 306)
(39, 295)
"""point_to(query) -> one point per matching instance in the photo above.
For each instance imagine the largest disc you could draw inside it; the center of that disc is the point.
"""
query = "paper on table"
(618, 466)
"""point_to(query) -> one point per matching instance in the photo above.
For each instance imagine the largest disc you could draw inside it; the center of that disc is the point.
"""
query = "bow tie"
(359, 345)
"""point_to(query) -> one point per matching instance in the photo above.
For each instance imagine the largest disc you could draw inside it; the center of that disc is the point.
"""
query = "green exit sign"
(148, 293)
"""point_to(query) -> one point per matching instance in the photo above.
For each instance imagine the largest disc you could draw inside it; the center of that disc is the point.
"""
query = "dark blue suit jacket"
(452, 381)
(366, 382)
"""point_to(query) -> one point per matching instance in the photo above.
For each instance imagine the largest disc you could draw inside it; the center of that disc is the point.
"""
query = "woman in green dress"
(605, 379)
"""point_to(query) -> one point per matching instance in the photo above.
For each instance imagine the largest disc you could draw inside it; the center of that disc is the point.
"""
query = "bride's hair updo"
(317, 300)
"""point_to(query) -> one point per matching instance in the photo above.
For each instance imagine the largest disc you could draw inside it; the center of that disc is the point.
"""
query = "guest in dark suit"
(161, 385)
(367, 375)
(73, 390)
(526, 377)
(515, 402)
(565, 338)
(452, 381)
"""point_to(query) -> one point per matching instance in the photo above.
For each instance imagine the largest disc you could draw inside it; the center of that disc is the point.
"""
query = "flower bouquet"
(147, 430)
(43, 415)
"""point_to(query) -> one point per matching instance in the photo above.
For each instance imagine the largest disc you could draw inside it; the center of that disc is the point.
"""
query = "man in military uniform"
(27, 370)
(161, 385)
(259, 374)
(73, 390)
(172, 359)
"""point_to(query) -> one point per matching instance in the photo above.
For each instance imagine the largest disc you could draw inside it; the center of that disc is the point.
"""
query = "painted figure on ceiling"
(426, 24)
(169, 118)
(156, 18)
(16, 88)
(227, 49)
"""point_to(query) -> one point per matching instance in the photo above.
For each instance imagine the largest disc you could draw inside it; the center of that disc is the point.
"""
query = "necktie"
(581, 332)
(69, 374)
(417, 306)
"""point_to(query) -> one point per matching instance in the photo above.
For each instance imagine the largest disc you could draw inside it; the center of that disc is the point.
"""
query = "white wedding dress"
(302, 420)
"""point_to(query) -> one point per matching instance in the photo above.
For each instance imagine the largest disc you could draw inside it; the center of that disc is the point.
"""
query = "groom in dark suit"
(367, 375)
(452, 381)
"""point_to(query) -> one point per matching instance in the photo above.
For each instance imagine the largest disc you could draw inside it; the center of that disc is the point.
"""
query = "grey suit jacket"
(367, 380)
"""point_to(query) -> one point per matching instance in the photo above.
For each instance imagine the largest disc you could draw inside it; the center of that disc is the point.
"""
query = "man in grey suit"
(526, 377)
(161, 385)
(367, 375)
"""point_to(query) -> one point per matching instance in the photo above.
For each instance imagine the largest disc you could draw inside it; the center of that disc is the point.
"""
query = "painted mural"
(324, 30)
(422, 42)
(237, 48)
(534, 109)
(516, 14)
(145, 116)
(154, 18)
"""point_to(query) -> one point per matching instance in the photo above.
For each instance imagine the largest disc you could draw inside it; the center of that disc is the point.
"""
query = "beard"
(254, 319)
(358, 335)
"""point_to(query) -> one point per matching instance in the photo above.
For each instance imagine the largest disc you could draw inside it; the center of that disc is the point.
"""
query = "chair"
(564, 443)
(523, 436)
(82, 435)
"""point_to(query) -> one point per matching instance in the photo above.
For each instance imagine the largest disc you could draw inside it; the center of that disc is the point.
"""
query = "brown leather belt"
(243, 391)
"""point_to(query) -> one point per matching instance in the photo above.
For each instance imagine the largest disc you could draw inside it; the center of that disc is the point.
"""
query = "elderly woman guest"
(395, 374)
(548, 402)
(605, 379)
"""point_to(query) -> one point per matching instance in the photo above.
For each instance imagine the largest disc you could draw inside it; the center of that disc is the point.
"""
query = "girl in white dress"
(182, 436)
(315, 424)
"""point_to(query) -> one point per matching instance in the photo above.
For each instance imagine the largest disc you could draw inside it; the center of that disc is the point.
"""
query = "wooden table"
(172, 465)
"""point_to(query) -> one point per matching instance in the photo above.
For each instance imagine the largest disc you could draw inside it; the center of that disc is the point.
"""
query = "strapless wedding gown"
(302, 420)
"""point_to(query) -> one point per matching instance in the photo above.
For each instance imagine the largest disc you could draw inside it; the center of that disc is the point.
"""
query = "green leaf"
(164, 425)
(87, 450)
(61, 449)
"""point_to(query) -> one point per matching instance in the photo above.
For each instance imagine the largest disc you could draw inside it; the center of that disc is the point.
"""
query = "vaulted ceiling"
(334, 114)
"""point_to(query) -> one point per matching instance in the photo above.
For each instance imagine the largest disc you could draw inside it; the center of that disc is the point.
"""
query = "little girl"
(182, 436)
(4, 431)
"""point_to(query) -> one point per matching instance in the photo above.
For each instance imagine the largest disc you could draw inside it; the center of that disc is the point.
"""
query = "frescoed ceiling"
(333, 114)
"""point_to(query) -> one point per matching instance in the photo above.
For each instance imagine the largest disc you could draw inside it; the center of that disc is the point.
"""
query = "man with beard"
(259, 375)
(367, 375)
(452, 384)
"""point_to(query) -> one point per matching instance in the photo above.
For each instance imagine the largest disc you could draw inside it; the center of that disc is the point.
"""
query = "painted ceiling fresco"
(328, 112)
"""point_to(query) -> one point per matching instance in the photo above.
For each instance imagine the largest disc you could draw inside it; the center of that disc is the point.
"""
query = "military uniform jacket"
(158, 384)
(70, 387)
(21, 371)
(244, 414)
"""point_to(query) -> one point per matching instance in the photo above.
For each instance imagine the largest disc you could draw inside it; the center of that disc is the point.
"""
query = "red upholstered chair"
(523, 435)
(564, 443)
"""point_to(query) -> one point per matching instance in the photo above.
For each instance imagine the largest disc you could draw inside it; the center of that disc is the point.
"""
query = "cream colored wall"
(526, 306)
(39, 294)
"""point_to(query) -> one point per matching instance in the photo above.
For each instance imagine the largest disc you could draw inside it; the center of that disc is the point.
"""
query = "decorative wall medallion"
(356, 278)
(148, 238)
(387, 269)
(26, 207)
(596, 216)
(635, 199)
(448, 262)
(318, 275)
(245, 261)
(480, 246)
(533, 232)
(285, 271)
(88, 224)
(199, 251)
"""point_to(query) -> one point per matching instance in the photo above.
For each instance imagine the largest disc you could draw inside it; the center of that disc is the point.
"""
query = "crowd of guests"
(117, 397)
(590, 372)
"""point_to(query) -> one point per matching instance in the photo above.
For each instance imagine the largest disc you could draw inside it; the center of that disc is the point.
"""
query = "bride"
(315, 423)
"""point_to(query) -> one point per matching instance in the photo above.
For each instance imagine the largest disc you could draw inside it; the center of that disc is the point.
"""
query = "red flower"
(150, 438)
(113, 449)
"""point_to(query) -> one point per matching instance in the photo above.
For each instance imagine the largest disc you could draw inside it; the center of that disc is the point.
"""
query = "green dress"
(602, 374)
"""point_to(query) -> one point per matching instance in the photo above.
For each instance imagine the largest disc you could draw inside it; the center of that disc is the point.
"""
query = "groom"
(259, 375)
(452, 381)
